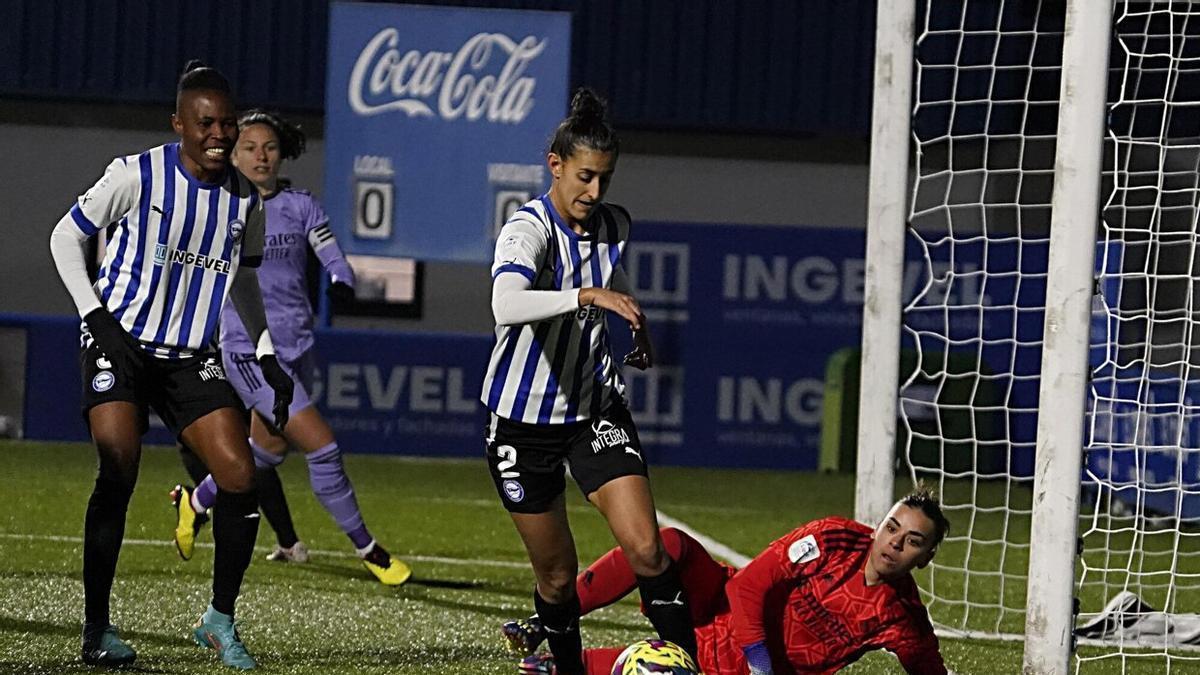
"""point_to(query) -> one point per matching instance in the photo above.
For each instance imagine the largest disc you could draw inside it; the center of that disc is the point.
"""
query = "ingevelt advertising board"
(437, 122)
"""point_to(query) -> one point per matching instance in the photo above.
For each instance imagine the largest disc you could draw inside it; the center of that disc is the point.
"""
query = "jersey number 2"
(508, 459)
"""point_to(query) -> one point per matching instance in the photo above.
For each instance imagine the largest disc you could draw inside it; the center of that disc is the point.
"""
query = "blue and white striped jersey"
(561, 369)
(173, 244)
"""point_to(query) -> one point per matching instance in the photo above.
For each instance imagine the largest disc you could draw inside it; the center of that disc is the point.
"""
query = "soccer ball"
(650, 657)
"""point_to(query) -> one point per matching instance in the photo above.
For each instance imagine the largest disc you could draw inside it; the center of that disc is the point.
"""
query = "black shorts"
(181, 391)
(526, 460)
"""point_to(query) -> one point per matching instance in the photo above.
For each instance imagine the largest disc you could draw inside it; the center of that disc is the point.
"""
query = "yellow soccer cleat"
(389, 570)
(187, 522)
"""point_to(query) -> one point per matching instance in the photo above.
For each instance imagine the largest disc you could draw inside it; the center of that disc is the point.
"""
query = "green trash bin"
(955, 417)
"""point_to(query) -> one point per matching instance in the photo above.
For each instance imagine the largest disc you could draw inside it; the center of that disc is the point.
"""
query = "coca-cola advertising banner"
(437, 120)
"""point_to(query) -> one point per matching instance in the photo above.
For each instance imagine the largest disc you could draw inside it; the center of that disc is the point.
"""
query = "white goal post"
(1075, 211)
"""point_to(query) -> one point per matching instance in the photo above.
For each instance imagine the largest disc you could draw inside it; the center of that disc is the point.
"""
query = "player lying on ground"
(182, 228)
(814, 601)
(295, 221)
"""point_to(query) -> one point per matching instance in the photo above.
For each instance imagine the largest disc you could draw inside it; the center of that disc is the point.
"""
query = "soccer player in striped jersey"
(295, 222)
(814, 601)
(183, 230)
(555, 391)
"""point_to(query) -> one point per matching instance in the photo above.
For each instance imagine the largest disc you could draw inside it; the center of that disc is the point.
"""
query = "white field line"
(324, 554)
(714, 547)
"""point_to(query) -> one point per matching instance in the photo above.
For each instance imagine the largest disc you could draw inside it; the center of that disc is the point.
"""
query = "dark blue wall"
(799, 67)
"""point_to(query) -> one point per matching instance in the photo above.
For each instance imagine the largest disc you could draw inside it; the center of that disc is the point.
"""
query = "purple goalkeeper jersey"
(294, 221)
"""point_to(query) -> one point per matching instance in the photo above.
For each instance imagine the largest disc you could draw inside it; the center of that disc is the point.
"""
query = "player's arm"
(777, 568)
(107, 201)
(915, 644)
(520, 253)
(246, 296)
(325, 246)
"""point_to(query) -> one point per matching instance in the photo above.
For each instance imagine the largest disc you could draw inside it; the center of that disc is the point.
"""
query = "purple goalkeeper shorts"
(247, 379)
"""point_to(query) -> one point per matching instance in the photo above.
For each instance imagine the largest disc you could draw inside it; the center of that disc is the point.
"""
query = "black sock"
(665, 603)
(103, 531)
(195, 468)
(562, 633)
(275, 507)
(235, 526)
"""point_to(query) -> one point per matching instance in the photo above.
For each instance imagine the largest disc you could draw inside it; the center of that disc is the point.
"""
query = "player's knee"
(118, 472)
(557, 586)
(265, 458)
(647, 557)
(113, 488)
(236, 476)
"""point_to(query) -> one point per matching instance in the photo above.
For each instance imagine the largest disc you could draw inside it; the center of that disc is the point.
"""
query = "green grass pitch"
(330, 616)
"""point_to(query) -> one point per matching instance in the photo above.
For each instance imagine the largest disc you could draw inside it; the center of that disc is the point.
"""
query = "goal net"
(986, 105)
(985, 112)
(1140, 510)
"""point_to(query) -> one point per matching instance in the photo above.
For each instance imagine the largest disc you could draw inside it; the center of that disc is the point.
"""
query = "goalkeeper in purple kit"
(295, 221)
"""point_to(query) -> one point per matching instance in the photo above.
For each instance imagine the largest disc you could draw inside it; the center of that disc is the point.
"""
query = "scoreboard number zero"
(373, 210)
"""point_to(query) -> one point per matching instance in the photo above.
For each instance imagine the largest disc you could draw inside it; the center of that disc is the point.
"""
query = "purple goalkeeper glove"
(758, 659)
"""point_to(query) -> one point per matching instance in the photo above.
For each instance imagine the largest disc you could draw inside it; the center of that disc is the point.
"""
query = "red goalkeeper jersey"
(807, 597)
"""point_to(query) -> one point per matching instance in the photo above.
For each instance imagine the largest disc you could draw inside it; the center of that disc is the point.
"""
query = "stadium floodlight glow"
(1048, 357)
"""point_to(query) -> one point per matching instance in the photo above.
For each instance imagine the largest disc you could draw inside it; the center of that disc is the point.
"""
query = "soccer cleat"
(218, 631)
(297, 553)
(389, 571)
(537, 664)
(103, 647)
(187, 522)
(523, 636)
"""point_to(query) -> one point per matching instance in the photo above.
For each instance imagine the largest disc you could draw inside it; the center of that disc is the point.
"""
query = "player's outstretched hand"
(614, 301)
(341, 294)
(281, 384)
(642, 355)
(116, 344)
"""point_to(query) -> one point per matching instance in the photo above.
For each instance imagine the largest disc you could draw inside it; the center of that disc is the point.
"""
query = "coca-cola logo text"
(385, 79)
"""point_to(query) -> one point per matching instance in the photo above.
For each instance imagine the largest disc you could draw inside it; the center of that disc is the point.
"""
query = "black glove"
(341, 294)
(118, 346)
(281, 384)
(642, 354)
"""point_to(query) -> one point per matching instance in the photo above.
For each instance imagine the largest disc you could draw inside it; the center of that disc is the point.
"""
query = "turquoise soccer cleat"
(218, 631)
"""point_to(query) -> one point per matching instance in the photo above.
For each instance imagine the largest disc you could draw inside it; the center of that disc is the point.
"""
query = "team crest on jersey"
(804, 550)
(236, 227)
(514, 491)
(103, 381)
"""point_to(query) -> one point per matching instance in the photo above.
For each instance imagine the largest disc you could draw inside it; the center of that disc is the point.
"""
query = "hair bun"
(194, 64)
(586, 105)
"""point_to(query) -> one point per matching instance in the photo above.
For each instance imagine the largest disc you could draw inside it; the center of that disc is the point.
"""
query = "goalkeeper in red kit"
(814, 601)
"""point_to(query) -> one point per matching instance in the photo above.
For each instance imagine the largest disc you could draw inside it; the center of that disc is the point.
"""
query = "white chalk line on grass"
(714, 547)
(509, 564)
